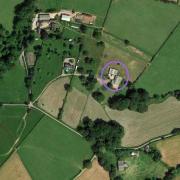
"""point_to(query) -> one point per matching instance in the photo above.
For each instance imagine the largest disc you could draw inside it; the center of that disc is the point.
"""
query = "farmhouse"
(112, 73)
(116, 82)
(122, 165)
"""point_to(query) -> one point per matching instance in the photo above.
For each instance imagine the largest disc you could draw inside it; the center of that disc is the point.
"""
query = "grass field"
(52, 151)
(163, 74)
(170, 150)
(143, 167)
(145, 23)
(52, 98)
(88, 6)
(96, 172)
(139, 128)
(10, 127)
(74, 107)
(14, 169)
(12, 88)
(7, 12)
(94, 110)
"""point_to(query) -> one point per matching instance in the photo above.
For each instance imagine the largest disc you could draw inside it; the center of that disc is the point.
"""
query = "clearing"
(170, 150)
(94, 110)
(52, 98)
(143, 167)
(74, 107)
(96, 172)
(149, 22)
(160, 119)
(14, 169)
(54, 150)
(7, 12)
(163, 74)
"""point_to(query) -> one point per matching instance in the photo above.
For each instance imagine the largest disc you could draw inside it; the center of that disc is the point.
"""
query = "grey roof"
(43, 17)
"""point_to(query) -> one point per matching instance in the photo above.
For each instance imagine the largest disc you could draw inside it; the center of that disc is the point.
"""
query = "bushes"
(98, 96)
(87, 164)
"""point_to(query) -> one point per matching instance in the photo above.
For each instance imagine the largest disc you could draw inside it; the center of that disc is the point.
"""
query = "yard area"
(74, 107)
(12, 88)
(143, 167)
(52, 98)
(149, 22)
(11, 124)
(7, 12)
(160, 119)
(52, 151)
(163, 74)
(89, 6)
(170, 150)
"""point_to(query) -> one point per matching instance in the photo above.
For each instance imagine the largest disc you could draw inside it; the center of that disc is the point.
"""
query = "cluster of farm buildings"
(45, 20)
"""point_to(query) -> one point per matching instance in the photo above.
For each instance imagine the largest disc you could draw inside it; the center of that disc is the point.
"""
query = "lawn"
(7, 12)
(12, 88)
(170, 150)
(51, 151)
(160, 119)
(164, 72)
(142, 167)
(89, 6)
(149, 22)
(11, 124)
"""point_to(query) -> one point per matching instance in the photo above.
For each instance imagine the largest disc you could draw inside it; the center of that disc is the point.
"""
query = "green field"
(163, 74)
(11, 124)
(51, 151)
(7, 12)
(145, 23)
(98, 8)
(12, 87)
(143, 167)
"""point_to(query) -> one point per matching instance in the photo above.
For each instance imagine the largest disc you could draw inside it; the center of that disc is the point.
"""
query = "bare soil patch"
(170, 150)
(95, 173)
(139, 128)
(52, 98)
(13, 169)
(74, 107)
(94, 110)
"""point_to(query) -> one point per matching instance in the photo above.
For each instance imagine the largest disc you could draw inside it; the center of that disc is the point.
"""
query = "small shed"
(30, 59)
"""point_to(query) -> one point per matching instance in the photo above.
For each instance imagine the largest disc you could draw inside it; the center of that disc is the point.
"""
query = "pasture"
(12, 88)
(89, 6)
(14, 169)
(170, 150)
(52, 98)
(54, 150)
(96, 172)
(11, 124)
(160, 119)
(74, 107)
(94, 110)
(143, 167)
(149, 22)
(163, 74)
(7, 12)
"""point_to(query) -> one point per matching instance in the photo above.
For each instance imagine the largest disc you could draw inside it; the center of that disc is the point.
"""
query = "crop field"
(94, 110)
(52, 98)
(89, 6)
(12, 86)
(10, 127)
(143, 167)
(74, 107)
(7, 12)
(149, 22)
(163, 74)
(159, 120)
(14, 169)
(54, 150)
(170, 150)
(96, 172)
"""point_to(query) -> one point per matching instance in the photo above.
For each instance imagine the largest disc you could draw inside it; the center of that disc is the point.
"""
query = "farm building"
(122, 165)
(66, 17)
(85, 18)
(112, 73)
(116, 82)
(30, 59)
